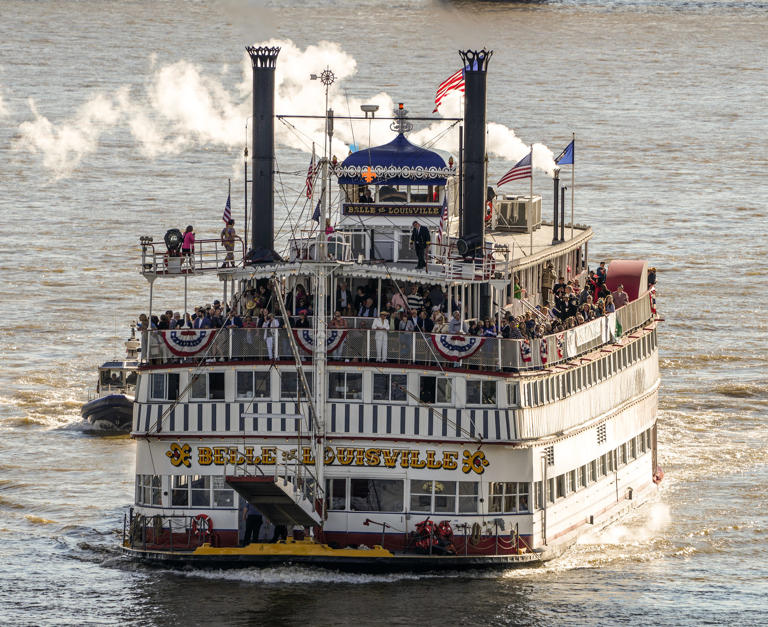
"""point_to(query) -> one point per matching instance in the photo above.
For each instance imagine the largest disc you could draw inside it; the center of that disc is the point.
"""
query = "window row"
(560, 386)
(254, 385)
(562, 485)
(388, 495)
(207, 491)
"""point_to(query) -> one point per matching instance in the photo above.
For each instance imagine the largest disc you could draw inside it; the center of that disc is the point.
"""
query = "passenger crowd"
(567, 304)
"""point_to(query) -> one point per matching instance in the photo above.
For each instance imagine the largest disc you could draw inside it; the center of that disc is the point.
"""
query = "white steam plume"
(180, 107)
(64, 147)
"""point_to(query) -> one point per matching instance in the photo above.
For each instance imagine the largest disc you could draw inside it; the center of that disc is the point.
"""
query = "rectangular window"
(592, 470)
(390, 387)
(582, 476)
(513, 395)
(623, 454)
(157, 387)
(551, 490)
(201, 491)
(609, 455)
(481, 392)
(223, 495)
(603, 465)
(253, 385)
(376, 495)
(421, 496)
(216, 386)
(633, 448)
(523, 493)
(199, 388)
(509, 496)
(148, 490)
(164, 387)
(538, 495)
(435, 390)
(469, 497)
(208, 386)
(180, 490)
(345, 385)
(445, 497)
(561, 486)
(290, 385)
(571, 482)
(335, 494)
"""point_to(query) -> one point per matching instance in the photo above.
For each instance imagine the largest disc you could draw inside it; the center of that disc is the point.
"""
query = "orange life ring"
(658, 475)
(202, 527)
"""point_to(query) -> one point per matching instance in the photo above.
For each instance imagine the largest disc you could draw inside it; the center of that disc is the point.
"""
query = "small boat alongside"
(110, 409)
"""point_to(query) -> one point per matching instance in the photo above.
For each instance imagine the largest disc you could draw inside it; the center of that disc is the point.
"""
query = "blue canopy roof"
(397, 163)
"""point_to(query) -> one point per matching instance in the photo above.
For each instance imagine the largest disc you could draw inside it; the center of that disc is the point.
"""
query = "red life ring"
(658, 475)
(202, 527)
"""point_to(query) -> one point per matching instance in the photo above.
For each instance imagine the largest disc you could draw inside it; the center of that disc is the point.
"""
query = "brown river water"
(121, 119)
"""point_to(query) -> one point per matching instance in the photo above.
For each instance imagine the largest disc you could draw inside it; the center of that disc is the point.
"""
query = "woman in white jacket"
(270, 327)
(380, 329)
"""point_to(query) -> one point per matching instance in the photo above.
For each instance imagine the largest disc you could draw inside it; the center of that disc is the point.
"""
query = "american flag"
(521, 170)
(311, 177)
(227, 211)
(455, 82)
(443, 224)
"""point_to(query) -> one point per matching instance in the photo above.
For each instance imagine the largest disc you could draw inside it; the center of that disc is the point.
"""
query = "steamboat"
(375, 446)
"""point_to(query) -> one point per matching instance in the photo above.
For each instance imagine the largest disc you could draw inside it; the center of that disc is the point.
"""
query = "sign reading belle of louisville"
(404, 211)
(181, 454)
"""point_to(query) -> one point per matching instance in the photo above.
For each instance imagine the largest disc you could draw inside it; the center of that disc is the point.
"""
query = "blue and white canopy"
(397, 163)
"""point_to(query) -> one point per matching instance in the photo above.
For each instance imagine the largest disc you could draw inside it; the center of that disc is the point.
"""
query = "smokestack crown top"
(476, 60)
(263, 56)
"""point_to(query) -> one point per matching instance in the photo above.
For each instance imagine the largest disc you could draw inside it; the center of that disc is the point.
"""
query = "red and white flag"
(443, 224)
(311, 172)
(455, 82)
(521, 170)
(227, 211)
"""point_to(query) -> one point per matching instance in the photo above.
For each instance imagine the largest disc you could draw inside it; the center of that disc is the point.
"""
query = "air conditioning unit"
(518, 214)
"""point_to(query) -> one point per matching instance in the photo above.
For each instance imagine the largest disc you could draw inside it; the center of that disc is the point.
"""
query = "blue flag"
(566, 157)
(316, 215)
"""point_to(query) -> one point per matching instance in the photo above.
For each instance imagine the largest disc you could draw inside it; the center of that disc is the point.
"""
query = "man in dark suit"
(420, 241)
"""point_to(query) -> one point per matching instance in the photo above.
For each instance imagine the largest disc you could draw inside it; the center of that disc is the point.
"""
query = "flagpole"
(531, 200)
(312, 192)
(573, 177)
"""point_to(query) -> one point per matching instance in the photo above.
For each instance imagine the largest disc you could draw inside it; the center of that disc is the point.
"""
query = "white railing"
(307, 248)
(209, 255)
(363, 345)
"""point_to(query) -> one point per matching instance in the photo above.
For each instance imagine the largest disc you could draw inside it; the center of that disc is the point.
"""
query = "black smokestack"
(264, 61)
(556, 200)
(474, 191)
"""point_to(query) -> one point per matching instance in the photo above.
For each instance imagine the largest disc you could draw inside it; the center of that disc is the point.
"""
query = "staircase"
(277, 499)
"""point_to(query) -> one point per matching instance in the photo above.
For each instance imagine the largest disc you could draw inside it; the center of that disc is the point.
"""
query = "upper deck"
(358, 343)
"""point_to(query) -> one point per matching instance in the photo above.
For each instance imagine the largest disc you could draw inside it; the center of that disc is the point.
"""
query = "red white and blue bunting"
(186, 342)
(525, 351)
(456, 347)
(544, 350)
(306, 339)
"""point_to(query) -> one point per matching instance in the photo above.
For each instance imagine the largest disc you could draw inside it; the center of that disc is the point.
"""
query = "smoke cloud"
(180, 107)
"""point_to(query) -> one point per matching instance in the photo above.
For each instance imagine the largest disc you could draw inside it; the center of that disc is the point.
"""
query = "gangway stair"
(278, 499)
